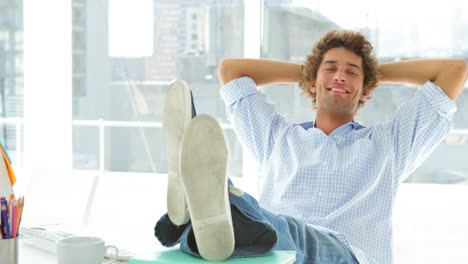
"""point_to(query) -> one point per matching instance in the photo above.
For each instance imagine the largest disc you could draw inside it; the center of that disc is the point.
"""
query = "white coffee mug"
(83, 250)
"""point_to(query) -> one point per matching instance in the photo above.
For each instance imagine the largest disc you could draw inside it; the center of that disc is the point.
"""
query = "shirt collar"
(340, 131)
(353, 124)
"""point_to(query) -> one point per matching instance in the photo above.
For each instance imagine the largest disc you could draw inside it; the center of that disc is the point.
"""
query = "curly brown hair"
(351, 40)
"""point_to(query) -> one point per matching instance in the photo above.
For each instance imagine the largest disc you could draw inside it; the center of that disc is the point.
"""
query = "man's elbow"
(465, 67)
(460, 69)
(225, 70)
(453, 78)
(228, 70)
(222, 69)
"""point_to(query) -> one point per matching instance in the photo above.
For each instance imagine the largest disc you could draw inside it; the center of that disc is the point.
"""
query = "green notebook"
(177, 256)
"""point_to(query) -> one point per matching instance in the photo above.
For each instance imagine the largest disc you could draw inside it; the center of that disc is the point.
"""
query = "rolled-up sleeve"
(419, 126)
(254, 117)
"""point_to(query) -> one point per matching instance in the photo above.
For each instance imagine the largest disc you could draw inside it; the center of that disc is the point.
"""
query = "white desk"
(28, 255)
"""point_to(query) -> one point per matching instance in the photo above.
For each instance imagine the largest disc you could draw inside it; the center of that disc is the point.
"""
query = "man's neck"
(328, 122)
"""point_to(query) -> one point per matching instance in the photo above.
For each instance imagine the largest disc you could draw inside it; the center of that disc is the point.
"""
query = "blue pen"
(5, 218)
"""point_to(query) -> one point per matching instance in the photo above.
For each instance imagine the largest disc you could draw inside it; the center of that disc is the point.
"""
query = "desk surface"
(28, 255)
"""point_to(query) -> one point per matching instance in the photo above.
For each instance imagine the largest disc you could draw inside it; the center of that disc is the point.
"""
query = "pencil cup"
(9, 251)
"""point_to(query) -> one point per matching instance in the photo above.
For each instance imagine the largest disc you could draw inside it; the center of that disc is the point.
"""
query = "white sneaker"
(203, 167)
(176, 117)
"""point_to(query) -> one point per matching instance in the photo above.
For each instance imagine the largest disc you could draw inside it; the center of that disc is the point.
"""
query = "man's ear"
(312, 86)
(365, 95)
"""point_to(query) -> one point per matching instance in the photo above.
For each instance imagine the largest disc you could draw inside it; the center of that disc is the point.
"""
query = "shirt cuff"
(238, 89)
(439, 100)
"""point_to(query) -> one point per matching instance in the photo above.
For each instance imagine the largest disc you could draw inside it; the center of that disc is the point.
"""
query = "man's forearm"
(262, 71)
(449, 74)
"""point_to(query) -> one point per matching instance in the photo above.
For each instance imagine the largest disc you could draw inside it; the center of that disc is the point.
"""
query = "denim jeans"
(258, 231)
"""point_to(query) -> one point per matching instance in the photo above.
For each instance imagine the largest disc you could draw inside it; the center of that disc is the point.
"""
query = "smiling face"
(339, 82)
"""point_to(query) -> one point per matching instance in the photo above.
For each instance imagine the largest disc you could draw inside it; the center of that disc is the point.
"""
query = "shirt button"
(320, 193)
(324, 163)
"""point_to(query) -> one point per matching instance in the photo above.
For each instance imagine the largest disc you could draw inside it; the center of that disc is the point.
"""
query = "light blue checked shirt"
(345, 183)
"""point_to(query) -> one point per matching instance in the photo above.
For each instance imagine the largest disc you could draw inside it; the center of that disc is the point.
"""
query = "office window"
(19, 40)
(11, 77)
(123, 75)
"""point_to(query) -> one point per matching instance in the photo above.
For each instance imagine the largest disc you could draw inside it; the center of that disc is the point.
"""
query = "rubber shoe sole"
(177, 114)
(203, 167)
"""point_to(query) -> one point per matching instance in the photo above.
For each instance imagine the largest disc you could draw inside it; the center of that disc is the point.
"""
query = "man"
(329, 185)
